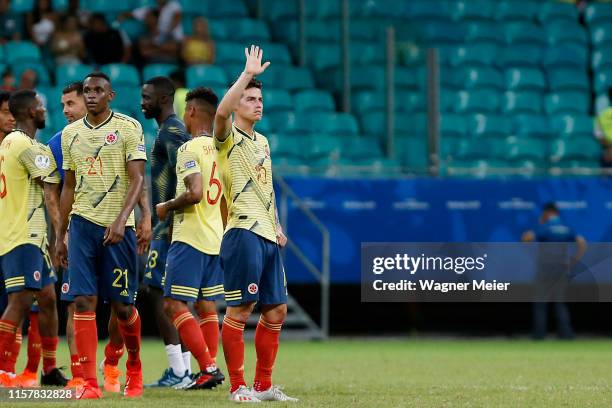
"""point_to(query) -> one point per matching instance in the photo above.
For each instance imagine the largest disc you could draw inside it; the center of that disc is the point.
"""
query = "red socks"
(49, 349)
(112, 353)
(130, 331)
(75, 366)
(34, 344)
(8, 331)
(15, 351)
(267, 337)
(233, 349)
(86, 339)
(209, 325)
(192, 338)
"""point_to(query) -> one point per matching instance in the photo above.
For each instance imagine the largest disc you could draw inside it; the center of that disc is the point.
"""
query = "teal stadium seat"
(276, 100)
(205, 75)
(573, 126)
(264, 127)
(158, 69)
(601, 60)
(453, 126)
(412, 153)
(525, 79)
(480, 149)
(365, 101)
(525, 149)
(324, 147)
(281, 121)
(405, 102)
(515, 103)
(407, 79)
(57, 120)
(603, 81)
(21, 51)
(568, 102)
(324, 56)
(519, 56)
(565, 57)
(601, 35)
(105, 6)
(478, 101)
(441, 33)
(313, 101)
(481, 32)
(475, 55)
(133, 28)
(323, 10)
(316, 31)
(41, 71)
(343, 124)
(489, 126)
(366, 53)
(224, 9)
(579, 149)
(566, 34)
(378, 9)
(59, 5)
(364, 30)
(601, 103)
(525, 33)
(596, 13)
(288, 147)
(556, 11)
(532, 126)
(565, 79)
(281, 10)
(231, 52)
(278, 54)
(247, 30)
(21, 6)
(53, 95)
(375, 123)
(426, 10)
(122, 74)
(481, 78)
(295, 79)
(516, 11)
(369, 78)
(362, 149)
(448, 100)
(411, 56)
(474, 10)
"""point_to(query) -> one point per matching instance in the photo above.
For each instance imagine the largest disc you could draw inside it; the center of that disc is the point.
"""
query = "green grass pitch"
(402, 373)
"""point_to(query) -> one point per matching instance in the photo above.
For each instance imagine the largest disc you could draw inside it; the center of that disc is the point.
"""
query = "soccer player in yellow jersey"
(104, 157)
(7, 121)
(250, 256)
(24, 261)
(193, 273)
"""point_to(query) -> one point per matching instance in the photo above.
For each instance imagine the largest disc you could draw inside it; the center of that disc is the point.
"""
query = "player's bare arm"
(281, 238)
(252, 67)
(52, 202)
(66, 201)
(114, 233)
(144, 229)
(191, 196)
(223, 209)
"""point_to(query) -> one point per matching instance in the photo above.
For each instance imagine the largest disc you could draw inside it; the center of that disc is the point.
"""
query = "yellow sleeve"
(135, 148)
(227, 144)
(68, 162)
(38, 160)
(186, 162)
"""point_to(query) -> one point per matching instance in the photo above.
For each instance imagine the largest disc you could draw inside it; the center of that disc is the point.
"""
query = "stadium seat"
(128, 98)
(566, 34)
(601, 103)
(288, 147)
(524, 33)
(603, 81)
(481, 78)
(263, 126)
(105, 6)
(230, 53)
(407, 79)
(41, 71)
(133, 28)
(225, 9)
(480, 125)
(369, 78)
(294, 79)
(532, 126)
(325, 147)
(276, 100)
(412, 153)
(474, 10)
(580, 149)
(573, 125)
(601, 60)
(525, 79)
(247, 30)
(526, 149)
(478, 101)
(364, 102)
(313, 100)
(556, 11)
(441, 33)
(375, 123)
(362, 149)
(278, 54)
(364, 30)
(474, 55)
(516, 11)
(479, 149)
(281, 10)
(21, 51)
(596, 13)
(425, 10)
(343, 124)
(405, 101)
(480, 32)
(324, 56)
(205, 75)
(22, 6)
(516, 103)
(565, 57)
(601, 35)
(153, 70)
(453, 126)
(281, 121)
(122, 74)
(448, 100)
(565, 79)
(519, 56)
(567, 103)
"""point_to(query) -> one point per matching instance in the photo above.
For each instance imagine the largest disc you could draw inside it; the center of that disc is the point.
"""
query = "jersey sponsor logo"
(65, 288)
(42, 162)
(124, 293)
(253, 288)
(111, 139)
(190, 164)
(36, 276)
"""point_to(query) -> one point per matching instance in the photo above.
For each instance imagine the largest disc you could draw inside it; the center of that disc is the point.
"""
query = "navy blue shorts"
(252, 269)
(156, 263)
(192, 275)
(65, 295)
(26, 267)
(108, 272)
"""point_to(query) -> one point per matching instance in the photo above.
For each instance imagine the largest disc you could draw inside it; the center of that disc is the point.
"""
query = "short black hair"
(550, 206)
(163, 85)
(203, 95)
(4, 96)
(20, 102)
(72, 87)
(253, 83)
(97, 74)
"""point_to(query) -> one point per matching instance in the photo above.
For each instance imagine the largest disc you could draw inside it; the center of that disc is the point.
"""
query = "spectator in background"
(104, 44)
(11, 24)
(29, 80)
(8, 80)
(40, 22)
(199, 48)
(67, 43)
(180, 93)
(155, 47)
(169, 22)
(603, 133)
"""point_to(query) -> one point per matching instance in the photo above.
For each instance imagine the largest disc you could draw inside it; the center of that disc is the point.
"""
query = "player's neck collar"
(252, 137)
(90, 126)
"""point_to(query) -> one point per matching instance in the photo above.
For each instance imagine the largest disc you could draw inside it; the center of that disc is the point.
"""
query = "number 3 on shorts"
(120, 273)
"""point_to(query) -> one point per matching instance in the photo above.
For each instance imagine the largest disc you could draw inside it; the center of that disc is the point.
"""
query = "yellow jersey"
(199, 225)
(22, 206)
(98, 155)
(246, 176)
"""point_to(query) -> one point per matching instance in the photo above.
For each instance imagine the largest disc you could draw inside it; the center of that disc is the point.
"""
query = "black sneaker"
(55, 378)
(206, 381)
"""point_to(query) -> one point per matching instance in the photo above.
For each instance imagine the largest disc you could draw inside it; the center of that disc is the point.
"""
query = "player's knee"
(172, 307)
(84, 304)
(276, 313)
(205, 306)
(122, 310)
(21, 300)
(241, 312)
(46, 298)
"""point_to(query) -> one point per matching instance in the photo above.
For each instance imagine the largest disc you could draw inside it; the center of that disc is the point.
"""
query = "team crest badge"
(253, 288)
(42, 162)
(65, 288)
(111, 139)
(36, 276)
